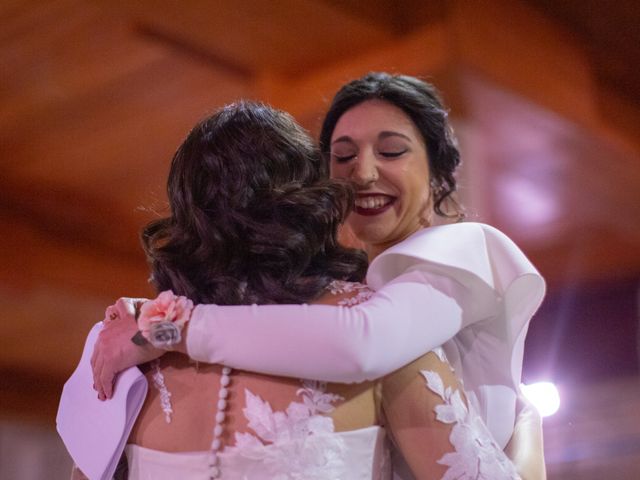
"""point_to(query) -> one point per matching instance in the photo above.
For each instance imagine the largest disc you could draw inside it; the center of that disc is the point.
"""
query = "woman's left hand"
(114, 351)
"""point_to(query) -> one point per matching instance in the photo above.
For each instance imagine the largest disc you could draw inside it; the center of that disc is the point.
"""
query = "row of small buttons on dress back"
(221, 407)
(218, 430)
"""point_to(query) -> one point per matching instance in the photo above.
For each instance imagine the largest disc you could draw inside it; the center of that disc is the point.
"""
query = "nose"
(365, 169)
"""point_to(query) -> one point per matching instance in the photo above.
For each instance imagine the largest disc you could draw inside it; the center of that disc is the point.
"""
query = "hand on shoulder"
(114, 351)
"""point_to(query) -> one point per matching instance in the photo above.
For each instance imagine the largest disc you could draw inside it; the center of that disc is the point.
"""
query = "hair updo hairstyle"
(253, 218)
(421, 102)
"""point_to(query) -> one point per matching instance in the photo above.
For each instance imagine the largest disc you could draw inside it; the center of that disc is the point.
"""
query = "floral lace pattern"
(165, 394)
(363, 293)
(298, 443)
(477, 456)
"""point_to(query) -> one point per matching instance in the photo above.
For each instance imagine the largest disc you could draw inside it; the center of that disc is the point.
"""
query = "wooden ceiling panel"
(401, 16)
(610, 33)
(23, 16)
(129, 126)
(287, 36)
(81, 49)
(114, 130)
(522, 50)
(60, 65)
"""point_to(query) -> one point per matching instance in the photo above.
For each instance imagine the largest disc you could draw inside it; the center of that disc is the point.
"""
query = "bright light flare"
(544, 396)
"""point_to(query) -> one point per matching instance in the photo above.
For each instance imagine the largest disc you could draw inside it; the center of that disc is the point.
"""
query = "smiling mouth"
(373, 204)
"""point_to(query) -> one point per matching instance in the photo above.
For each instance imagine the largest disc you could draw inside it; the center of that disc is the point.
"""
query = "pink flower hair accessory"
(161, 320)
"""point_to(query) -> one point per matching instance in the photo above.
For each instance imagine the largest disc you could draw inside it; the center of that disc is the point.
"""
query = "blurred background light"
(544, 396)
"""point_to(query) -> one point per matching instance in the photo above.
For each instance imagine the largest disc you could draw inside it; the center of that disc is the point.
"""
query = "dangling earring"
(426, 214)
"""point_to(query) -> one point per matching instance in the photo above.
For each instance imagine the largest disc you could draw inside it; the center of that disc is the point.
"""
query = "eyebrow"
(387, 134)
(343, 139)
(381, 136)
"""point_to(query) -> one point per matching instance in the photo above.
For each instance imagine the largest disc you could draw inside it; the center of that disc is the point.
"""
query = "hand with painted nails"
(114, 351)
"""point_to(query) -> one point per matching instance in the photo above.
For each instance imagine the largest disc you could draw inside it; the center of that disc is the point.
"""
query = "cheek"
(423, 193)
(416, 192)
(411, 182)
(417, 178)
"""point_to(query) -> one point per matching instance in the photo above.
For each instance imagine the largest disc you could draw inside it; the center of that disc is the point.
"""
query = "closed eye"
(393, 154)
(343, 158)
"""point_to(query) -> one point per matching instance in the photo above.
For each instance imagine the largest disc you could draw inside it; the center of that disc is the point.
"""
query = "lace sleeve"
(436, 425)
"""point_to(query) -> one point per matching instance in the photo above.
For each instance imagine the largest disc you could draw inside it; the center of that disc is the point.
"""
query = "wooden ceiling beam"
(609, 33)
(522, 50)
(288, 36)
(401, 16)
(421, 53)
(526, 52)
(508, 42)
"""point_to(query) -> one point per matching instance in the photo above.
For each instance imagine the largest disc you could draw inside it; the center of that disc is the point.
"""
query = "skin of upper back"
(194, 395)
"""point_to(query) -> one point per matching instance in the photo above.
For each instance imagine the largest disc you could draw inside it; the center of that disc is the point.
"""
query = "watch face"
(164, 335)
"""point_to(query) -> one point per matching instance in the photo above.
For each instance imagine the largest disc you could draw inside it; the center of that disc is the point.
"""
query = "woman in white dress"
(464, 286)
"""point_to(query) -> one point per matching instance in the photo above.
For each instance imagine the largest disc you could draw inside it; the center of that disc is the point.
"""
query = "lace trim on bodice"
(298, 443)
(477, 456)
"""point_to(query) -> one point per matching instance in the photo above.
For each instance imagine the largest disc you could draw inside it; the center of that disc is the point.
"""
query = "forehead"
(371, 117)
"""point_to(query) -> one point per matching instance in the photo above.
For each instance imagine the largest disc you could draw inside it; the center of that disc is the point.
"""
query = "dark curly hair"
(422, 104)
(253, 217)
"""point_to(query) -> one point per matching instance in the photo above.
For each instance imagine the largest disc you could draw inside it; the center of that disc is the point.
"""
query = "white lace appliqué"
(477, 456)
(165, 394)
(338, 287)
(298, 443)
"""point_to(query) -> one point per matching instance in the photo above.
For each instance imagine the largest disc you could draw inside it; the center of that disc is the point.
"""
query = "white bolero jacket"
(501, 290)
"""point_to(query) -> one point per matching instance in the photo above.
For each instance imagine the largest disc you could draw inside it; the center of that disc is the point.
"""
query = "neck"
(375, 249)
